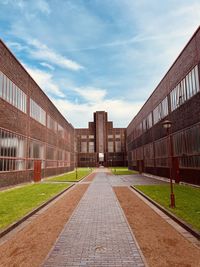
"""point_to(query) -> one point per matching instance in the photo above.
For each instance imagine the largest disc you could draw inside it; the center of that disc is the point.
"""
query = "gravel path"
(160, 243)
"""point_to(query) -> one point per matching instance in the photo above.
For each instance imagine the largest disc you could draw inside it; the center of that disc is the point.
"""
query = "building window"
(12, 151)
(83, 136)
(147, 122)
(51, 124)
(61, 158)
(91, 136)
(91, 147)
(36, 151)
(110, 147)
(61, 132)
(161, 153)
(160, 111)
(149, 155)
(110, 136)
(187, 147)
(37, 113)
(12, 94)
(117, 136)
(84, 147)
(188, 87)
(118, 146)
(51, 157)
(138, 130)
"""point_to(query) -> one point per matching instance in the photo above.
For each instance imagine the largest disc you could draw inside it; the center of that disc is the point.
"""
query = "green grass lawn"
(122, 171)
(71, 176)
(187, 200)
(17, 202)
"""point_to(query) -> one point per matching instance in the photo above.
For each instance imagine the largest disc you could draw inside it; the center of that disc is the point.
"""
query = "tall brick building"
(176, 98)
(31, 127)
(100, 143)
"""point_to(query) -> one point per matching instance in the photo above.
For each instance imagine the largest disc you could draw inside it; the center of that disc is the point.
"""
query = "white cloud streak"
(91, 94)
(42, 52)
(45, 81)
(46, 65)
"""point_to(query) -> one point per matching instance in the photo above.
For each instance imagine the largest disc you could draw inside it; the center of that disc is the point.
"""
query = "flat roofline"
(166, 73)
(33, 80)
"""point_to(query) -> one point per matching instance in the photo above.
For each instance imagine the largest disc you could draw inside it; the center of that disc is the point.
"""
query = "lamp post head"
(166, 124)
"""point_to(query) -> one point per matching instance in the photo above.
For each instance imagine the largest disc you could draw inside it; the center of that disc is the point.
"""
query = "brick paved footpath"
(97, 234)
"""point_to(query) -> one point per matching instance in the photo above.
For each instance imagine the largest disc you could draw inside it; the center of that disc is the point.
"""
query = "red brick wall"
(16, 121)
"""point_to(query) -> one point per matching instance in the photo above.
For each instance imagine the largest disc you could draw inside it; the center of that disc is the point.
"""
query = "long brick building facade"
(31, 128)
(176, 98)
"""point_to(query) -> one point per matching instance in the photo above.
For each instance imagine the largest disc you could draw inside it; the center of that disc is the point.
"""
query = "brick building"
(31, 128)
(100, 143)
(176, 98)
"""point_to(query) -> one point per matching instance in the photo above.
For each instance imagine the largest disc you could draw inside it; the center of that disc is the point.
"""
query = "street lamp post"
(114, 157)
(76, 168)
(167, 125)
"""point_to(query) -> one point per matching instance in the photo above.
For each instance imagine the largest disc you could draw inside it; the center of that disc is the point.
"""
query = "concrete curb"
(27, 216)
(171, 215)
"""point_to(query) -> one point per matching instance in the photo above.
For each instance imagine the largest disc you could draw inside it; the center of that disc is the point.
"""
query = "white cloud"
(45, 81)
(91, 94)
(42, 52)
(119, 111)
(44, 64)
(17, 46)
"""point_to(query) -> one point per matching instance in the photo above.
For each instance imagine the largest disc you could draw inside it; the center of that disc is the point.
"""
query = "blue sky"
(90, 55)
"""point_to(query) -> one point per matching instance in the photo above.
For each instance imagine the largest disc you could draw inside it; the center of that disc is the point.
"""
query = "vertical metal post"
(172, 197)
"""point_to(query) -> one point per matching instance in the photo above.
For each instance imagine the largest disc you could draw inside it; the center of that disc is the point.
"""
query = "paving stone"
(97, 233)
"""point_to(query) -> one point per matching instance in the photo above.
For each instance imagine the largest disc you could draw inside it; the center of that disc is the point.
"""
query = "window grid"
(188, 87)
(160, 111)
(12, 151)
(37, 113)
(12, 94)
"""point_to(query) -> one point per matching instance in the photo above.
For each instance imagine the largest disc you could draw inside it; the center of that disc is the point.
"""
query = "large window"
(149, 155)
(160, 111)
(61, 131)
(161, 153)
(36, 151)
(118, 146)
(37, 113)
(147, 122)
(61, 158)
(187, 147)
(12, 151)
(91, 147)
(11, 93)
(110, 147)
(51, 124)
(138, 130)
(188, 87)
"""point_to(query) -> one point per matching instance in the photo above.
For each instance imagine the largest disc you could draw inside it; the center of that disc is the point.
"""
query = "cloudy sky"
(90, 55)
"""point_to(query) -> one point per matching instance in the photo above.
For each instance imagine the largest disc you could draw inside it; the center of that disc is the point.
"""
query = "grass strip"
(72, 176)
(187, 201)
(122, 171)
(17, 202)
